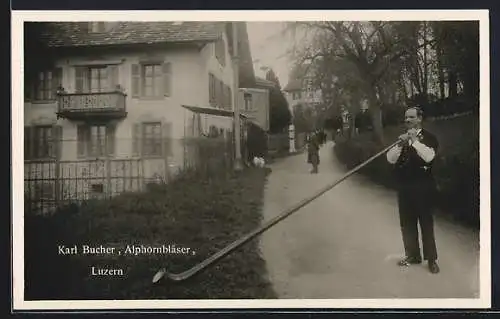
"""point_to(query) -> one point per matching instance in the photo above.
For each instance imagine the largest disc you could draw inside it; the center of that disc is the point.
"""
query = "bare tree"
(370, 47)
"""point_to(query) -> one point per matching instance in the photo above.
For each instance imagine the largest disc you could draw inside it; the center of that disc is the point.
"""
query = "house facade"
(109, 100)
(300, 89)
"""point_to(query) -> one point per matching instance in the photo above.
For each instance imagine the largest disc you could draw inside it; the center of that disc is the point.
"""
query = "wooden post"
(237, 135)
(58, 180)
(108, 176)
(58, 154)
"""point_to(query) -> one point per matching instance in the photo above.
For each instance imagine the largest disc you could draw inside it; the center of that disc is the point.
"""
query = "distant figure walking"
(313, 145)
(362, 121)
(321, 137)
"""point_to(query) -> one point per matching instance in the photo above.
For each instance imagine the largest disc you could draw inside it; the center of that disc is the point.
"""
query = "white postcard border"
(18, 17)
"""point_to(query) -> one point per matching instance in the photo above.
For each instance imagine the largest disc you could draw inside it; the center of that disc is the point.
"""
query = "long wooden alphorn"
(239, 242)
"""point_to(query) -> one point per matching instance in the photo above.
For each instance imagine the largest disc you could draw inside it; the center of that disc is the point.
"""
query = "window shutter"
(28, 89)
(136, 80)
(101, 26)
(218, 93)
(167, 138)
(211, 89)
(80, 79)
(167, 78)
(223, 96)
(57, 140)
(81, 140)
(110, 139)
(113, 77)
(56, 80)
(217, 100)
(28, 142)
(228, 98)
(136, 139)
(84, 26)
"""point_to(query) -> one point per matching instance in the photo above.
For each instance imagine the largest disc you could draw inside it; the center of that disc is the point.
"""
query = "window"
(92, 79)
(152, 139)
(151, 80)
(211, 90)
(296, 95)
(97, 188)
(220, 51)
(44, 191)
(95, 140)
(230, 102)
(219, 94)
(97, 27)
(98, 79)
(248, 101)
(46, 84)
(42, 142)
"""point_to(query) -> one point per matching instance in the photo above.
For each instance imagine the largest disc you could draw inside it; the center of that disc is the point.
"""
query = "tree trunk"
(440, 67)
(376, 114)
(452, 81)
(471, 81)
(402, 86)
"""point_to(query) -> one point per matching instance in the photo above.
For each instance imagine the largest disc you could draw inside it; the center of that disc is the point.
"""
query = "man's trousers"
(415, 207)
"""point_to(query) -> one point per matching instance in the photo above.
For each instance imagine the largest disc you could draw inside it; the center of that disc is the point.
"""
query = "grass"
(456, 169)
(202, 215)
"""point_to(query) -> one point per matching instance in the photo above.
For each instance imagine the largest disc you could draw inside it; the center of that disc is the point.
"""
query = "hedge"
(456, 169)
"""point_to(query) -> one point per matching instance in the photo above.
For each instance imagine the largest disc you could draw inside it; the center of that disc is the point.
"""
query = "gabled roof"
(59, 35)
(245, 60)
(260, 82)
(76, 34)
(296, 77)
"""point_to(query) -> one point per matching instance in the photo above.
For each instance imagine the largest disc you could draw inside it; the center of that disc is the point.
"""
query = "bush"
(392, 115)
(444, 107)
(256, 142)
(209, 156)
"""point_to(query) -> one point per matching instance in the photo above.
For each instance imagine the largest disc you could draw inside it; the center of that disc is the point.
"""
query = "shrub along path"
(456, 167)
(346, 243)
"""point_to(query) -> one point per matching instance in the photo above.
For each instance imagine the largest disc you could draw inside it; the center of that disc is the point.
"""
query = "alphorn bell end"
(159, 275)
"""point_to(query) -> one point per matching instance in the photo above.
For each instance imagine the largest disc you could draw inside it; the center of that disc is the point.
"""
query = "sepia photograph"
(202, 161)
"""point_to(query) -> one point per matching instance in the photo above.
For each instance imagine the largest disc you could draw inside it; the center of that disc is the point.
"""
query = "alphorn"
(242, 240)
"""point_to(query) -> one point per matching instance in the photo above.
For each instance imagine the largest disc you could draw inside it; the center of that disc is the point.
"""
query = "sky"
(268, 47)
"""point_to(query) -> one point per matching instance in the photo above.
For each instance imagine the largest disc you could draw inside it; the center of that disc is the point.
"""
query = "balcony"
(91, 106)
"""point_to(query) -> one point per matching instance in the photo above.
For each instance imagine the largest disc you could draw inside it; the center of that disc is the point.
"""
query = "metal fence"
(80, 171)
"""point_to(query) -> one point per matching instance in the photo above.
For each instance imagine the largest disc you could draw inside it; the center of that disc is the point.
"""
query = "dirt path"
(346, 243)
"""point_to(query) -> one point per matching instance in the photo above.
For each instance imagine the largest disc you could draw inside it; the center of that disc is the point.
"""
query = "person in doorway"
(413, 159)
(313, 152)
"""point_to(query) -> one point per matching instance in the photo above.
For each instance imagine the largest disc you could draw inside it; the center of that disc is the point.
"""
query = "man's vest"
(410, 167)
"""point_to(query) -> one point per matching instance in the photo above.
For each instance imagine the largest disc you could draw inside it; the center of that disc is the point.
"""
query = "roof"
(260, 82)
(62, 35)
(75, 34)
(245, 60)
(296, 77)
(212, 111)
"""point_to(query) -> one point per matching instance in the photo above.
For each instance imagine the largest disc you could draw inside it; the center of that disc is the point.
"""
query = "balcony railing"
(78, 106)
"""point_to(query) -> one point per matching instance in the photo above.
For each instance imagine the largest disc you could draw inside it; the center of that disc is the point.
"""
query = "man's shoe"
(407, 261)
(433, 267)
